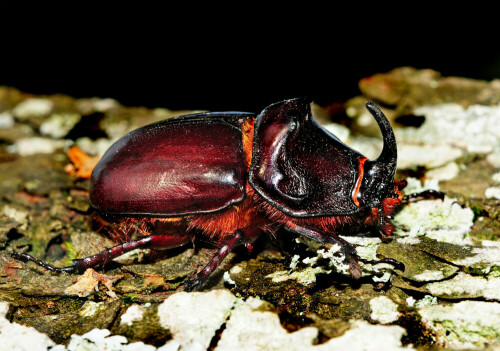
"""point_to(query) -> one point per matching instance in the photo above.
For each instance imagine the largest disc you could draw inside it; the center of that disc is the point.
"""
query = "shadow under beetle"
(232, 175)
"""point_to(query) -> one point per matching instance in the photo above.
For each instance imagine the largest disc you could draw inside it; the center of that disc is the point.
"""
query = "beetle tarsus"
(424, 195)
(193, 284)
(397, 265)
(99, 259)
(354, 268)
(75, 268)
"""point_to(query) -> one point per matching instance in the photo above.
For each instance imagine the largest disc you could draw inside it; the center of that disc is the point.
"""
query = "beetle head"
(378, 180)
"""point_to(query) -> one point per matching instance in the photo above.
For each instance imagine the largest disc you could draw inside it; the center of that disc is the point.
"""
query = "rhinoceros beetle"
(231, 176)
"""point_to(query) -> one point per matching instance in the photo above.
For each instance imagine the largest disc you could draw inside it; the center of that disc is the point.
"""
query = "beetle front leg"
(242, 236)
(347, 249)
(424, 195)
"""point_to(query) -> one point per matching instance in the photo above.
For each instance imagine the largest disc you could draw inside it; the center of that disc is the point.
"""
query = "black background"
(180, 59)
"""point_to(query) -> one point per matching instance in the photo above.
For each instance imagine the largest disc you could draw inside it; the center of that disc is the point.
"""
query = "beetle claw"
(193, 284)
(383, 286)
(397, 265)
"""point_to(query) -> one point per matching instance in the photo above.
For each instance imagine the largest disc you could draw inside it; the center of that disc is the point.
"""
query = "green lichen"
(466, 286)
(440, 220)
(91, 308)
(465, 324)
(70, 252)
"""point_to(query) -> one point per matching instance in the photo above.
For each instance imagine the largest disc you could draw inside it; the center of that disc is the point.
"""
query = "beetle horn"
(389, 154)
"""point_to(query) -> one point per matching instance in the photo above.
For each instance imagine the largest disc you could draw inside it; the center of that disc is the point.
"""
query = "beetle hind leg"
(155, 241)
(20, 256)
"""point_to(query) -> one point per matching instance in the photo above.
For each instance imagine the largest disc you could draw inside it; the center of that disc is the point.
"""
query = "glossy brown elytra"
(230, 176)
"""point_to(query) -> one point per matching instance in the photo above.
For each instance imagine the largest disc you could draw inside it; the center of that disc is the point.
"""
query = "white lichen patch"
(335, 257)
(103, 105)
(16, 214)
(306, 276)
(249, 325)
(494, 159)
(294, 262)
(427, 300)
(134, 313)
(14, 336)
(467, 324)
(251, 328)
(383, 310)
(324, 261)
(446, 172)
(414, 185)
(492, 192)
(464, 285)
(33, 107)
(384, 278)
(94, 147)
(410, 301)
(496, 178)
(486, 256)
(6, 120)
(444, 221)
(409, 240)
(364, 336)
(476, 128)
(366, 248)
(58, 125)
(193, 318)
(490, 243)
(101, 340)
(227, 279)
(428, 275)
(118, 129)
(36, 145)
(428, 156)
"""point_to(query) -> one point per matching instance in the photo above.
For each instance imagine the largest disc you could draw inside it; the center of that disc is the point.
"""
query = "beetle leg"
(384, 227)
(427, 194)
(25, 257)
(347, 248)
(242, 236)
(323, 237)
(155, 241)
